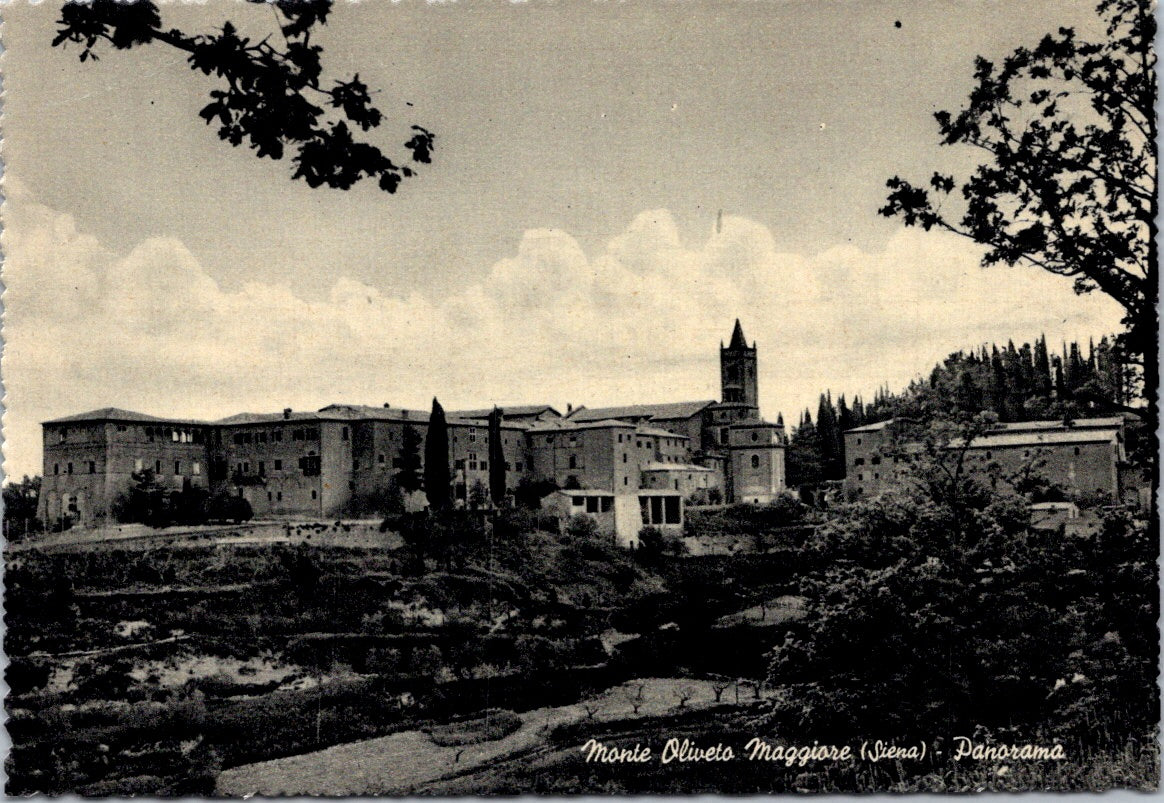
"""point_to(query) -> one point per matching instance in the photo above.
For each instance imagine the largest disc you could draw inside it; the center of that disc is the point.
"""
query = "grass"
(495, 724)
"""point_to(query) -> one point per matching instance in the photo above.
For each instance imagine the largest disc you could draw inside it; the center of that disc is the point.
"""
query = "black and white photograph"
(579, 397)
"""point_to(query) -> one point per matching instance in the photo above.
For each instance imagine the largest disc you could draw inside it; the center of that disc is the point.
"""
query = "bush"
(582, 527)
(229, 507)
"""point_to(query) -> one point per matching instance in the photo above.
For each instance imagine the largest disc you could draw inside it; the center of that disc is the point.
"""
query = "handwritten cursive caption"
(794, 755)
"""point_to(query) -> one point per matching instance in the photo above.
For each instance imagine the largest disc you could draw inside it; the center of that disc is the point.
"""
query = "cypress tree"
(828, 437)
(409, 478)
(496, 459)
(437, 476)
(1042, 368)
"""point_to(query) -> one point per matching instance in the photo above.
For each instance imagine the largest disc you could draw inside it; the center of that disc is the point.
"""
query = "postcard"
(498, 398)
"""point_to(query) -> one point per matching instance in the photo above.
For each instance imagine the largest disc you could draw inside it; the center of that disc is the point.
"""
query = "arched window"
(755, 461)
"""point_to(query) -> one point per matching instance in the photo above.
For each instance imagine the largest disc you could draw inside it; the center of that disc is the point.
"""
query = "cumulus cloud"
(640, 320)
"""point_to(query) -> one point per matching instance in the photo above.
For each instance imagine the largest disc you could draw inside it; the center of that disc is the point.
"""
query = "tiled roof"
(514, 411)
(1076, 424)
(567, 425)
(240, 419)
(675, 467)
(880, 425)
(659, 433)
(1052, 438)
(651, 411)
(117, 414)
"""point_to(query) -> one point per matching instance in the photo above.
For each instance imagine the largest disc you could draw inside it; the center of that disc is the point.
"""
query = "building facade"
(296, 464)
(1083, 456)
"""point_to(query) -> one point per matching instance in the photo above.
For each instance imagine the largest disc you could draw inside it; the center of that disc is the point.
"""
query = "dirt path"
(400, 763)
(393, 764)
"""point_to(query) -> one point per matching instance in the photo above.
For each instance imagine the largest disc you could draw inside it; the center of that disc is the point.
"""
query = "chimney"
(404, 414)
(386, 405)
(569, 408)
(286, 413)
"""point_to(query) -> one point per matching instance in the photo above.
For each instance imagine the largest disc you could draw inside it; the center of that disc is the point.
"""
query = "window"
(278, 465)
(64, 435)
(56, 468)
(310, 465)
(177, 467)
(626, 480)
(988, 456)
(876, 461)
(876, 476)
(484, 465)
(607, 502)
(472, 461)
(624, 457)
(92, 466)
(549, 439)
(238, 438)
(1077, 451)
(246, 467)
(578, 501)
(279, 496)
(261, 437)
(592, 504)
(472, 435)
(270, 496)
(157, 466)
(860, 477)
(858, 441)
(755, 461)
(343, 433)
(517, 466)
(121, 427)
(755, 435)
(277, 436)
(70, 468)
(296, 434)
(860, 461)
(573, 461)
(196, 469)
(671, 510)
(380, 458)
(314, 494)
(311, 434)
(262, 468)
(149, 433)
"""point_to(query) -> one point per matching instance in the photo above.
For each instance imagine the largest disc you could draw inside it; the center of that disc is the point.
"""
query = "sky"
(562, 247)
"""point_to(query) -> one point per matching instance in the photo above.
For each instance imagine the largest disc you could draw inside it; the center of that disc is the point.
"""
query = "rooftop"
(118, 414)
(1112, 422)
(656, 411)
(508, 411)
(675, 467)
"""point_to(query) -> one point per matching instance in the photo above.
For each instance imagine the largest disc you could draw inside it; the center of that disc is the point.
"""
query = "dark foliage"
(1067, 135)
(274, 99)
(437, 477)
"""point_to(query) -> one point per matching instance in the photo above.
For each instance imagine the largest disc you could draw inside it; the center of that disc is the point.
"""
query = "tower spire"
(738, 341)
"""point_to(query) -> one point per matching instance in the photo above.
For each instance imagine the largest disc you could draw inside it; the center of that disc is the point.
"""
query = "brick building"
(1084, 455)
(297, 464)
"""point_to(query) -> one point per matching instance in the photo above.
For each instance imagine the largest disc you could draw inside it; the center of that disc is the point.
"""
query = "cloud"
(640, 320)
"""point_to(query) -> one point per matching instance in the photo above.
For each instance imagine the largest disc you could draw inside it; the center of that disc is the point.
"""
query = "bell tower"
(737, 365)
